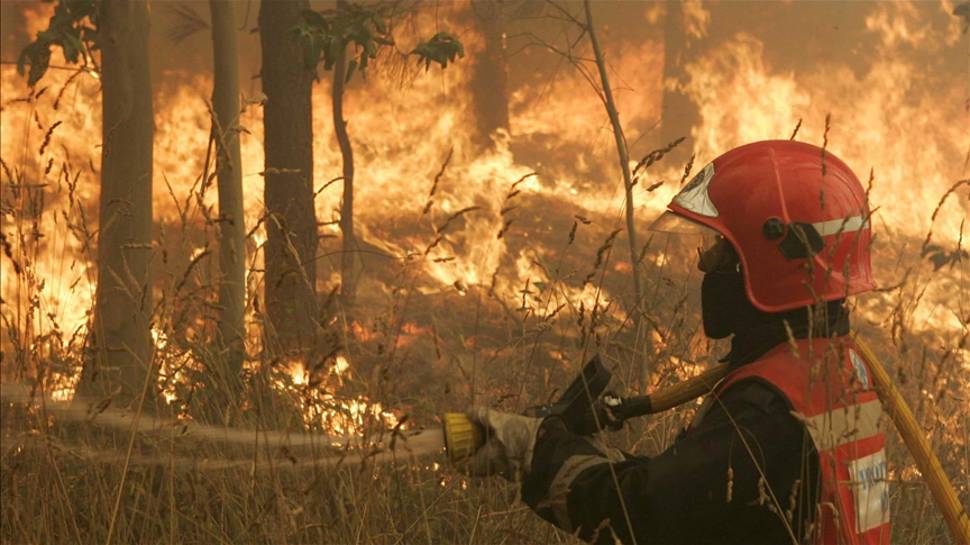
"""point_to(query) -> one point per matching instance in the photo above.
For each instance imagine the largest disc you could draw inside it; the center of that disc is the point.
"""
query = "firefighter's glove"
(509, 441)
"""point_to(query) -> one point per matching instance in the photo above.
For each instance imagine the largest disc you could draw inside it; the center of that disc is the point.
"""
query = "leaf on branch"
(442, 48)
(38, 56)
(326, 36)
(70, 28)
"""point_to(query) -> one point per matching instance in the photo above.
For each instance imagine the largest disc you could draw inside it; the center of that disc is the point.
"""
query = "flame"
(298, 373)
(696, 18)
(901, 24)
(361, 333)
(882, 119)
(352, 415)
(340, 365)
(334, 414)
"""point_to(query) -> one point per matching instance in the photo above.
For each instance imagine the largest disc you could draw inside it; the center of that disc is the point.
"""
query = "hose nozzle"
(462, 436)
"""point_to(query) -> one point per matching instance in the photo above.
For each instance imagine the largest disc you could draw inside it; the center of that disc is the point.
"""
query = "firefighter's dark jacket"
(744, 472)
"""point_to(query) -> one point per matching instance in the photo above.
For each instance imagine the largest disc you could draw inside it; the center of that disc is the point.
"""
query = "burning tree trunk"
(232, 232)
(291, 225)
(328, 36)
(350, 263)
(121, 337)
(679, 114)
(489, 79)
(623, 155)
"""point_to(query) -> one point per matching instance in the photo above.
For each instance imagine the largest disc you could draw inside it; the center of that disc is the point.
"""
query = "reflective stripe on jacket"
(827, 384)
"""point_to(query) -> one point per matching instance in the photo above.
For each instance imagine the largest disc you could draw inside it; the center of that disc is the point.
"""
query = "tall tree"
(329, 35)
(489, 81)
(291, 226)
(120, 336)
(350, 263)
(232, 232)
(123, 307)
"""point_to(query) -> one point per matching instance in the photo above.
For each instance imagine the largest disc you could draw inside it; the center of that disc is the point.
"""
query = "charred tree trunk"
(232, 229)
(679, 113)
(121, 338)
(350, 262)
(291, 225)
(489, 81)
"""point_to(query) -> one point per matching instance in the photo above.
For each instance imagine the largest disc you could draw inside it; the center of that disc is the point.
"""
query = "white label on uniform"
(868, 476)
(860, 369)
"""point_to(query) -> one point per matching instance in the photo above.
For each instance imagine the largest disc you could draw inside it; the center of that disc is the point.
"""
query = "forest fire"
(875, 124)
(491, 262)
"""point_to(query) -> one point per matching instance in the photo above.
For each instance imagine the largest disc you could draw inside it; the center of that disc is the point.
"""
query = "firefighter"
(787, 448)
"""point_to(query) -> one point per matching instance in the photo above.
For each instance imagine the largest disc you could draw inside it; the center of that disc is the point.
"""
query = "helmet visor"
(714, 252)
(675, 224)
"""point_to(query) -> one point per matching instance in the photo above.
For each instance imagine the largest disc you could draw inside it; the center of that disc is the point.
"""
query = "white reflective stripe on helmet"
(694, 196)
(841, 225)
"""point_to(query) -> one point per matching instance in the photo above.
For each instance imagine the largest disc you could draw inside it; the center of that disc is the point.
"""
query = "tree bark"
(678, 112)
(123, 304)
(232, 228)
(291, 226)
(489, 81)
(623, 155)
(350, 262)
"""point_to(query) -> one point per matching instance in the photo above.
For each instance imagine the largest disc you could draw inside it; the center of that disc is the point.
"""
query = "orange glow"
(337, 416)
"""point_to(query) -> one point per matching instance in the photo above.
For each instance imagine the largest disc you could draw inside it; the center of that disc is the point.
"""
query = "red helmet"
(797, 217)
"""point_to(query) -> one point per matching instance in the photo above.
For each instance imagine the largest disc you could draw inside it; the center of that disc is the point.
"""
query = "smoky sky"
(798, 36)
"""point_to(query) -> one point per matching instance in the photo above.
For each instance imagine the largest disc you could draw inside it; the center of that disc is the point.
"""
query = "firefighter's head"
(787, 224)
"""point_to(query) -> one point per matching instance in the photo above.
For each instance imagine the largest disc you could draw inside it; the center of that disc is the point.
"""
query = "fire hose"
(582, 404)
(929, 466)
